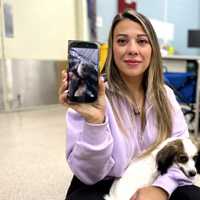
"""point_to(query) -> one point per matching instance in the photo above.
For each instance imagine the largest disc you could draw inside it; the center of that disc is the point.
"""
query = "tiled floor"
(32, 155)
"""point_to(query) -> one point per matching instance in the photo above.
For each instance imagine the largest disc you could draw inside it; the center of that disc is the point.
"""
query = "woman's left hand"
(150, 193)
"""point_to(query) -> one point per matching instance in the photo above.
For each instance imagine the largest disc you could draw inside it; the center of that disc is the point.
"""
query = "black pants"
(80, 191)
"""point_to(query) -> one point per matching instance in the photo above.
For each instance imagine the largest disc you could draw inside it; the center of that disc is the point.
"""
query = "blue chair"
(184, 86)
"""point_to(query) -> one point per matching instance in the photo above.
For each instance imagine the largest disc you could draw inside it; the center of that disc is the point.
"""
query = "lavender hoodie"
(99, 151)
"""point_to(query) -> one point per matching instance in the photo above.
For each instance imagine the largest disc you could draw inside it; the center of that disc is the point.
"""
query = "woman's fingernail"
(102, 78)
(66, 91)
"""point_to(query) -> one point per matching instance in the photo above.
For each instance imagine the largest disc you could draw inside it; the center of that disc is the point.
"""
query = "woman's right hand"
(92, 112)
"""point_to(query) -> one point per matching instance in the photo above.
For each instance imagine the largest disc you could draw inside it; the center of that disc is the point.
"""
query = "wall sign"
(126, 4)
(8, 20)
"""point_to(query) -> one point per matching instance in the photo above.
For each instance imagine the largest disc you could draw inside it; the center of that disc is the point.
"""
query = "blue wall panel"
(183, 14)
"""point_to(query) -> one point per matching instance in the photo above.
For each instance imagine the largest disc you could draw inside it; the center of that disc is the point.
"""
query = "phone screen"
(83, 58)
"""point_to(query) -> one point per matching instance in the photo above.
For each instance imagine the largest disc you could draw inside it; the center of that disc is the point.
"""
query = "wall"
(183, 13)
(30, 74)
(187, 18)
(153, 9)
(1, 93)
(41, 29)
(34, 83)
(106, 10)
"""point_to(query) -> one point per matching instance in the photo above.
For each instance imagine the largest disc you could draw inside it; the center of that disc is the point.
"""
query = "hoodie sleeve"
(89, 148)
(174, 177)
(171, 180)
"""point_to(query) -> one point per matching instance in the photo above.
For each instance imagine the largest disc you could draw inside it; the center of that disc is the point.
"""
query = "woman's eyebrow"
(142, 35)
(121, 35)
(125, 35)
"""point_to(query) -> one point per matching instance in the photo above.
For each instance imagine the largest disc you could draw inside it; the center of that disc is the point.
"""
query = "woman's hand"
(150, 193)
(92, 112)
(62, 92)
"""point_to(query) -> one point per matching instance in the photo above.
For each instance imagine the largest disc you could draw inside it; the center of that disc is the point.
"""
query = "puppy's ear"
(165, 158)
(197, 162)
(196, 141)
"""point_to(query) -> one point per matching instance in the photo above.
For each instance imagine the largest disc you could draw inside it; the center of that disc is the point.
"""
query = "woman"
(134, 113)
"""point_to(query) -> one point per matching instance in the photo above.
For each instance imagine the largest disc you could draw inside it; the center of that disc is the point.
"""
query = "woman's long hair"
(117, 91)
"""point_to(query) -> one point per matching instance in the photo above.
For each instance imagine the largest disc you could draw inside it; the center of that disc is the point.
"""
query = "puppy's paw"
(107, 197)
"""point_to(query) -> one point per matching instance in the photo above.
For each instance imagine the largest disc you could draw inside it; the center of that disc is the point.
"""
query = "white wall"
(41, 29)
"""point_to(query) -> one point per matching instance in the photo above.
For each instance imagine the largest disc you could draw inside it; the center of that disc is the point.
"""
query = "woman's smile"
(132, 63)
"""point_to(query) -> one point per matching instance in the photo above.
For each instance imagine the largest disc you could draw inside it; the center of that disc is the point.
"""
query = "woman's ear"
(165, 158)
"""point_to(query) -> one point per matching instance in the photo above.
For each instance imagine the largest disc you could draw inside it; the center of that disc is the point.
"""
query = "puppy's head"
(85, 70)
(181, 152)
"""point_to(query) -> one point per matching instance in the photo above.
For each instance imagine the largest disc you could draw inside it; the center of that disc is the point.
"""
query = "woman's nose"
(132, 48)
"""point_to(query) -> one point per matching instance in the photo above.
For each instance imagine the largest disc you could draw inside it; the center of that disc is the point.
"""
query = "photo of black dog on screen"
(83, 79)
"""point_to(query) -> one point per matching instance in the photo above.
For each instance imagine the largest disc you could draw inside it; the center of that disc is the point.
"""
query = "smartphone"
(83, 71)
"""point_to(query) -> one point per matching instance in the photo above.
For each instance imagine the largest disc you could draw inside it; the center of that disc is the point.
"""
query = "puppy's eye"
(183, 158)
(195, 158)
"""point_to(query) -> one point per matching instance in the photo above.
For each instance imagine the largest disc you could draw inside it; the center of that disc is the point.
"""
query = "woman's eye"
(142, 42)
(121, 41)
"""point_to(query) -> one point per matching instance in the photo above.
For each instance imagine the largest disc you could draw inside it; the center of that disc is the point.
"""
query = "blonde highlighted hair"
(153, 83)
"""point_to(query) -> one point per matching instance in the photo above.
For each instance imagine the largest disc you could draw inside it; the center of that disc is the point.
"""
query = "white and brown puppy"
(182, 153)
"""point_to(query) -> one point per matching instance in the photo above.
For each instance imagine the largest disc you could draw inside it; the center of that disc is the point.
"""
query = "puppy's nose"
(192, 173)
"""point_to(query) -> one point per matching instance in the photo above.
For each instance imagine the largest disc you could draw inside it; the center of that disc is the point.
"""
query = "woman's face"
(131, 49)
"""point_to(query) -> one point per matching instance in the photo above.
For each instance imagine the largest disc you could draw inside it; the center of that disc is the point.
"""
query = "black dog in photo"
(83, 84)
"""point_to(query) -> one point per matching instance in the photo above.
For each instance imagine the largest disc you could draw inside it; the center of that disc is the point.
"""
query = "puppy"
(182, 153)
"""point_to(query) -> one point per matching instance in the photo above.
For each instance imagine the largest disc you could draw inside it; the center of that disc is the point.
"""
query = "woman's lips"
(132, 62)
